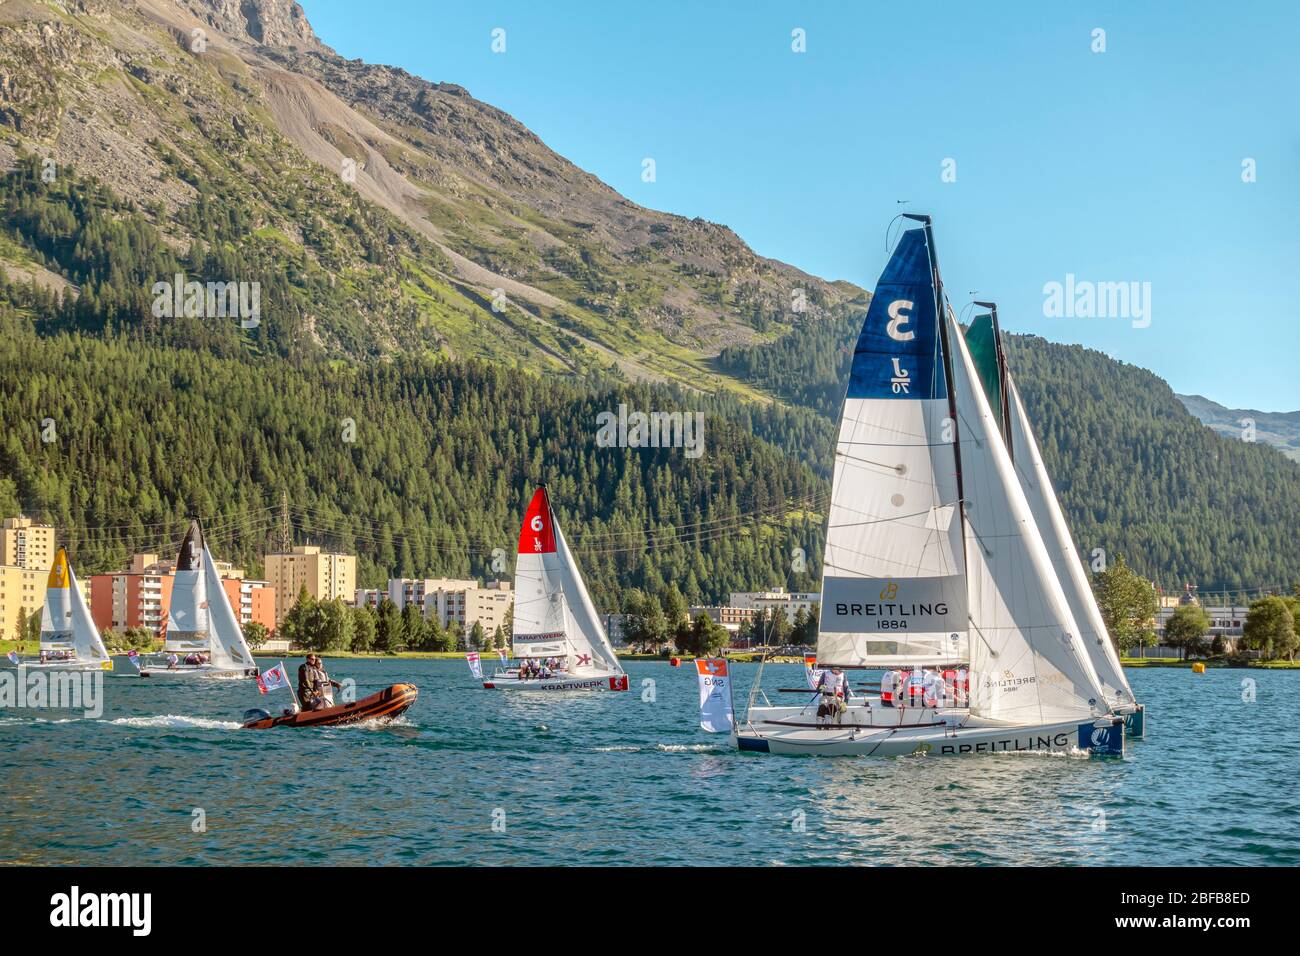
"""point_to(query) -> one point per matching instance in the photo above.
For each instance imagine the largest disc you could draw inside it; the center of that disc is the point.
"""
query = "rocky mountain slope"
(452, 227)
(1279, 429)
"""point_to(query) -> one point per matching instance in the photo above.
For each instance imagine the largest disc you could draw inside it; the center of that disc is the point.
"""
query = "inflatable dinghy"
(385, 705)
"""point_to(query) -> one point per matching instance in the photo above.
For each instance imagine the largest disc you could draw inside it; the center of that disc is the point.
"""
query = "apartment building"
(325, 575)
(454, 600)
(789, 601)
(26, 544)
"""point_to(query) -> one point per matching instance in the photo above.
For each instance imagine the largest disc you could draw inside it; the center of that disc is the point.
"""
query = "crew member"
(314, 685)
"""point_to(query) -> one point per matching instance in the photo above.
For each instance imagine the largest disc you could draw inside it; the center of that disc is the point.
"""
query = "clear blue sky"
(1115, 166)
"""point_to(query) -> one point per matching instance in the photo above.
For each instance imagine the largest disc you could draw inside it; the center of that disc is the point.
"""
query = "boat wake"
(177, 722)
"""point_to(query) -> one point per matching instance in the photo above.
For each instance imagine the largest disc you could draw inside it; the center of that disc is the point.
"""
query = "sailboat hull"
(199, 670)
(1101, 737)
(68, 666)
(511, 681)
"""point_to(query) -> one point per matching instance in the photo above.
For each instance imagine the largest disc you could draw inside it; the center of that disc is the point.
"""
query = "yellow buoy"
(1198, 668)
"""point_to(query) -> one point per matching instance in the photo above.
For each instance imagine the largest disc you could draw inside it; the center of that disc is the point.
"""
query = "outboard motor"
(255, 713)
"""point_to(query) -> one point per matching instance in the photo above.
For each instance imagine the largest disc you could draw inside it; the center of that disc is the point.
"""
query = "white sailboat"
(204, 637)
(70, 640)
(933, 558)
(554, 619)
(1050, 519)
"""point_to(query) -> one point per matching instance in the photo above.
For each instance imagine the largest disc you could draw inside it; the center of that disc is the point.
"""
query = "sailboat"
(554, 618)
(984, 339)
(933, 558)
(204, 637)
(69, 639)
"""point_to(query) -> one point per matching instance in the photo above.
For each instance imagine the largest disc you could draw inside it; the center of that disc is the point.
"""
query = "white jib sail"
(66, 623)
(893, 586)
(591, 648)
(1028, 662)
(1055, 532)
(226, 637)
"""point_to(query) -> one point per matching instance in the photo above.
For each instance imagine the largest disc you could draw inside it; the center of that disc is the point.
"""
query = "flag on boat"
(716, 715)
(273, 679)
(13, 658)
(475, 665)
(811, 672)
(134, 657)
(502, 654)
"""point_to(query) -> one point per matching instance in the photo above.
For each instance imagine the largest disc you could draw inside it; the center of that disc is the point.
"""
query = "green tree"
(388, 627)
(478, 638)
(415, 628)
(1128, 604)
(363, 629)
(333, 626)
(298, 626)
(255, 634)
(1186, 628)
(1270, 628)
(703, 638)
(20, 624)
(33, 627)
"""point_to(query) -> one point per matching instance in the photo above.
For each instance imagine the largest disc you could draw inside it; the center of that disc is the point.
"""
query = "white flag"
(716, 714)
(475, 666)
(273, 679)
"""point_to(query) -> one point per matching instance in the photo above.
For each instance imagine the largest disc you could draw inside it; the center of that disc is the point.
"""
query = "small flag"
(502, 654)
(475, 666)
(716, 715)
(134, 657)
(14, 659)
(273, 679)
(811, 672)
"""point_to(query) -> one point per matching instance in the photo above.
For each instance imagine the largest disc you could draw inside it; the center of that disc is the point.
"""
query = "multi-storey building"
(326, 576)
(454, 600)
(25, 544)
(789, 601)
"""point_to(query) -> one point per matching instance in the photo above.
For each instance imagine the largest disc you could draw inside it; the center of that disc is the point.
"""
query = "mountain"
(395, 212)
(464, 306)
(1279, 429)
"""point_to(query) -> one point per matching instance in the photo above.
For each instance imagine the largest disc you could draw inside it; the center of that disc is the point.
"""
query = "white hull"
(509, 680)
(198, 670)
(971, 736)
(856, 715)
(65, 665)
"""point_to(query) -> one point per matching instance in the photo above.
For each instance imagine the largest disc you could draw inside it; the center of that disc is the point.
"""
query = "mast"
(942, 316)
(1002, 375)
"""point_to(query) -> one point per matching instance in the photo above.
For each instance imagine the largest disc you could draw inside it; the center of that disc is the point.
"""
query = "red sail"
(537, 536)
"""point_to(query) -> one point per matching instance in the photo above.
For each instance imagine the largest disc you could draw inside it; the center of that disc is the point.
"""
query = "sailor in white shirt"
(888, 681)
(834, 689)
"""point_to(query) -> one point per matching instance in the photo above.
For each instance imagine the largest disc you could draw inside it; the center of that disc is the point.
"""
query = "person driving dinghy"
(315, 689)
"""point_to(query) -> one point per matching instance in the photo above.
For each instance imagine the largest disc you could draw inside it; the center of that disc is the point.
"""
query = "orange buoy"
(1198, 668)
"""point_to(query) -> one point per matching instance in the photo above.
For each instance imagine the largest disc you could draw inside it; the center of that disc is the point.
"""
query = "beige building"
(326, 576)
(20, 589)
(789, 601)
(455, 600)
(25, 544)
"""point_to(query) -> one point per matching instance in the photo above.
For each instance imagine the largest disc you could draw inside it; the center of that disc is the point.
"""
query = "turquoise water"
(617, 779)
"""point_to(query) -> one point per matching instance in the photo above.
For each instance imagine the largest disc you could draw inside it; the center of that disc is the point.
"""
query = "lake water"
(615, 779)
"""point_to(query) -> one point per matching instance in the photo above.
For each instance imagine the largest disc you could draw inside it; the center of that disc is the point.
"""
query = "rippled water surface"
(617, 779)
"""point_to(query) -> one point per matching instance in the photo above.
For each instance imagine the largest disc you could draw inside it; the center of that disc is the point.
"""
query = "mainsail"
(893, 583)
(187, 615)
(553, 614)
(66, 623)
(1028, 662)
